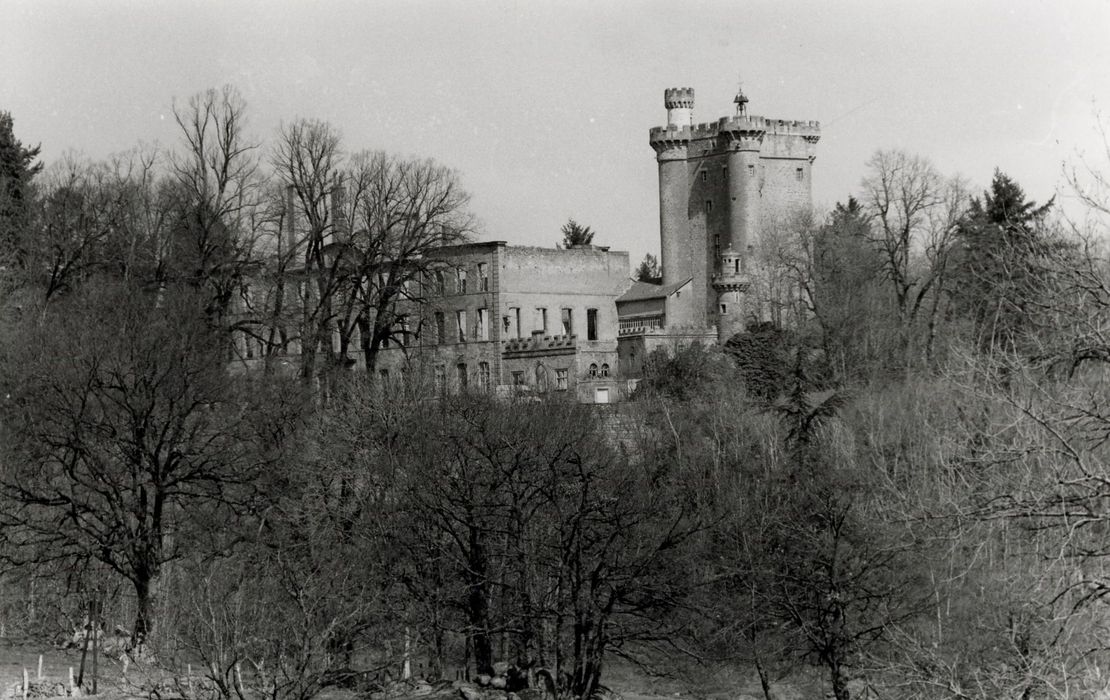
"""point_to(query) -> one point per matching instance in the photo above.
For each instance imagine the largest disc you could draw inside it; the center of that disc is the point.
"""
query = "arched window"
(605, 370)
(593, 369)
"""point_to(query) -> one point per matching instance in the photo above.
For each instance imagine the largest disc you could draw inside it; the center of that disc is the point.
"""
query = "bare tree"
(124, 440)
(915, 213)
(401, 211)
(218, 190)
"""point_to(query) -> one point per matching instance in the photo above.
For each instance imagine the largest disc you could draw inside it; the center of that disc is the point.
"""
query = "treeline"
(897, 476)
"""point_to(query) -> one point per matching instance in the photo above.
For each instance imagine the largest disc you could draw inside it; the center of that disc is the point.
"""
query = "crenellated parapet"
(746, 126)
(539, 344)
(731, 282)
(678, 98)
(670, 142)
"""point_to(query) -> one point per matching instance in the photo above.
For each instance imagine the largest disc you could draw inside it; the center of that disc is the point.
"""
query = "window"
(439, 378)
(483, 277)
(716, 245)
(482, 325)
(460, 323)
(560, 380)
(799, 174)
(441, 329)
(567, 319)
(541, 319)
(483, 376)
(724, 309)
(724, 171)
(708, 205)
(704, 176)
(593, 369)
(751, 170)
(440, 283)
(460, 280)
(605, 370)
(518, 378)
(460, 375)
(516, 321)
(736, 265)
(591, 324)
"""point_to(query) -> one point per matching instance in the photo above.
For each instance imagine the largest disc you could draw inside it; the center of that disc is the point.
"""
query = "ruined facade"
(518, 319)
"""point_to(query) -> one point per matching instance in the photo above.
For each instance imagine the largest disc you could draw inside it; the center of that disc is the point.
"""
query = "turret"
(730, 283)
(680, 106)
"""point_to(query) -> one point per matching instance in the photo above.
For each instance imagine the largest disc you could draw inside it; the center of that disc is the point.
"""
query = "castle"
(717, 182)
(516, 319)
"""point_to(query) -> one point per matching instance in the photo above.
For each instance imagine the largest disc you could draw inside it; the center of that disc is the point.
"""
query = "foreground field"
(632, 684)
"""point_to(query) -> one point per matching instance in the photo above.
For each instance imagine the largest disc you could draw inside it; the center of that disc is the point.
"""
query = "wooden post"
(26, 683)
(39, 675)
(190, 679)
(72, 685)
(96, 649)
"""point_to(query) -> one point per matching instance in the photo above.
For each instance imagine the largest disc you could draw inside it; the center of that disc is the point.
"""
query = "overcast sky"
(544, 108)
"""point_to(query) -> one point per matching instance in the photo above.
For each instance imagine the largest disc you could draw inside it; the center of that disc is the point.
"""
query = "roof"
(640, 291)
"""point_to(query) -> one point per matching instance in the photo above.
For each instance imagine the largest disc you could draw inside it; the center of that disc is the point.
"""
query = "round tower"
(680, 106)
(730, 283)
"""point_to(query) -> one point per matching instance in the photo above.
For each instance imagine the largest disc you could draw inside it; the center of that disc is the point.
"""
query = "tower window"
(591, 324)
(799, 174)
(708, 205)
(724, 309)
(724, 171)
(716, 245)
(751, 170)
(483, 277)
(704, 176)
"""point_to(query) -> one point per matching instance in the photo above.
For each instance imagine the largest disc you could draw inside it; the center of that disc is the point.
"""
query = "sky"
(544, 107)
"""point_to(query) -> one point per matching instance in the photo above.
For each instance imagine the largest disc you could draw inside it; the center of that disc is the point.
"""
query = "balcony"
(642, 324)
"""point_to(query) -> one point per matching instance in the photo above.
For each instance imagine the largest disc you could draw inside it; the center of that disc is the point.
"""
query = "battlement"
(730, 282)
(751, 125)
(539, 344)
(678, 98)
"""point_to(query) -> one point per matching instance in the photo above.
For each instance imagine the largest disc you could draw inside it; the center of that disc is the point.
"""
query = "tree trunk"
(839, 682)
(478, 605)
(143, 631)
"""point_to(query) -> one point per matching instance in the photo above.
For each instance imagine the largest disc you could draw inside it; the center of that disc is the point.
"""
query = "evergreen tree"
(17, 168)
(575, 233)
(649, 270)
(1000, 274)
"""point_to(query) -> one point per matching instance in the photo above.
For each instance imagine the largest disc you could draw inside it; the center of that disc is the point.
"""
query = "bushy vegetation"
(896, 475)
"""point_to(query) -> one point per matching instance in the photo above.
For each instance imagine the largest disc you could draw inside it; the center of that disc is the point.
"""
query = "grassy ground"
(631, 682)
(19, 654)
